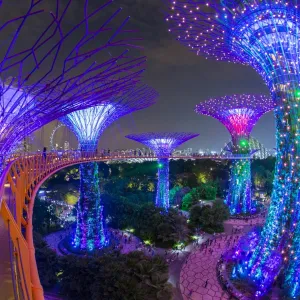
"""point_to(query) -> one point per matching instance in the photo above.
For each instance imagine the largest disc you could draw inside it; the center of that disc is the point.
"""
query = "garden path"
(198, 277)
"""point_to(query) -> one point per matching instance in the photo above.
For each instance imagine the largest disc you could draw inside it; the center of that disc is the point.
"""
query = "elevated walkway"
(20, 180)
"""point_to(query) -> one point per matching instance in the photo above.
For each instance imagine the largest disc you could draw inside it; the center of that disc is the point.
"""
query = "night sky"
(183, 80)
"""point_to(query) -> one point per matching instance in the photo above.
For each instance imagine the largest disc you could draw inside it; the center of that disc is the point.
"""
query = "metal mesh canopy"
(60, 69)
(255, 147)
(263, 34)
(162, 143)
(89, 124)
(238, 113)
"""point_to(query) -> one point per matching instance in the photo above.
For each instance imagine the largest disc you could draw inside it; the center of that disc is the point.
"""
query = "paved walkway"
(198, 277)
(6, 282)
(54, 238)
(128, 242)
(239, 225)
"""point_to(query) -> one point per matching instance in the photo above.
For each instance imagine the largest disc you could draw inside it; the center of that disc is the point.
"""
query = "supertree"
(88, 125)
(239, 114)
(163, 144)
(263, 34)
(61, 68)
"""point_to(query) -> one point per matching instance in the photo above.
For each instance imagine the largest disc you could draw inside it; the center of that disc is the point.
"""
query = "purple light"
(45, 81)
(162, 143)
(264, 35)
(239, 113)
(88, 125)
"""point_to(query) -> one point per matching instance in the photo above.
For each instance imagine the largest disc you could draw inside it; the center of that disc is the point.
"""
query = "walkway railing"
(21, 178)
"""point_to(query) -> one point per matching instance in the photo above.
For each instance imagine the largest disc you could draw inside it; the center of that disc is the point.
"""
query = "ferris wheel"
(54, 145)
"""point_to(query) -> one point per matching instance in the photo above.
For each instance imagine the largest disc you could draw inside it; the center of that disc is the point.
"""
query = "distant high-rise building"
(66, 146)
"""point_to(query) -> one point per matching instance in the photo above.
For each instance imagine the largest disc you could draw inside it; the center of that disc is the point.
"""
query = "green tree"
(173, 228)
(208, 191)
(47, 262)
(263, 173)
(205, 191)
(188, 201)
(115, 276)
(177, 193)
(118, 211)
(209, 218)
(44, 217)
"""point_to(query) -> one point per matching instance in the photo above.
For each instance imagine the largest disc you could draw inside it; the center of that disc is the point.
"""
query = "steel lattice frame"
(88, 125)
(239, 114)
(264, 35)
(57, 73)
(162, 143)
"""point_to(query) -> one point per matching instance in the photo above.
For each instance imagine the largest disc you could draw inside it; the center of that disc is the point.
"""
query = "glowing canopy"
(89, 124)
(238, 113)
(162, 143)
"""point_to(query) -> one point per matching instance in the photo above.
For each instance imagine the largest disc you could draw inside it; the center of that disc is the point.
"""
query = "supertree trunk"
(279, 241)
(239, 194)
(162, 143)
(162, 193)
(89, 233)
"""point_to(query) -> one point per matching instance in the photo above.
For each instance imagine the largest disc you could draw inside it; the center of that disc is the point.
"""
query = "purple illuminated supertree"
(88, 125)
(163, 144)
(263, 34)
(238, 113)
(57, 72)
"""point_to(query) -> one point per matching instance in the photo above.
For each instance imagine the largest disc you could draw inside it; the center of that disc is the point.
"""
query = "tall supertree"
(61, 68)
(163, 144)
(88, 125)
(239, 114)
(263, 34)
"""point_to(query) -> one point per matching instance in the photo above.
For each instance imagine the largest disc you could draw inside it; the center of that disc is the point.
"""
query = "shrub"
(209, 219)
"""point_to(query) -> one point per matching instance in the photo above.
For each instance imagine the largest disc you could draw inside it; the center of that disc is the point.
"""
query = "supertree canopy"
(61, 68)
(265, 35)
(88, 125)
(163, 144)
(238, 113)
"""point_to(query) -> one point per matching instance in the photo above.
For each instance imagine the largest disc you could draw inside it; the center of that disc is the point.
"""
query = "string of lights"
(162, 144)
(88, 126)
(239, 114)
(44, 81)
(264, 35)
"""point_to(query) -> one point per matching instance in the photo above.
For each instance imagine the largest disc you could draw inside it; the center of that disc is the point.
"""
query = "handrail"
(22, 268)
(13, 278)
(115, 155)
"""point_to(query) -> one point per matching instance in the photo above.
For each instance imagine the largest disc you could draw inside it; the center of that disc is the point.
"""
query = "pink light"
(239, 124)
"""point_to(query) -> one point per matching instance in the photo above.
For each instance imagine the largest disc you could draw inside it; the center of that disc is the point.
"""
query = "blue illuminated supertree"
(88, 125)
(163, 144)
(239, 114)
(263, 34)
(54, 68)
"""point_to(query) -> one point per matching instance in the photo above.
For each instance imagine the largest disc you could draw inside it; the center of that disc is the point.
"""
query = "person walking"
(206, 283)
(45, 153)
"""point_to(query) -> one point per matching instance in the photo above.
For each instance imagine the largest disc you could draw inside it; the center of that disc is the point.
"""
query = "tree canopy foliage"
(148, 221)
(263, 174)
(44, 217)
(209, 218)
(205, 191)
(113, 276)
